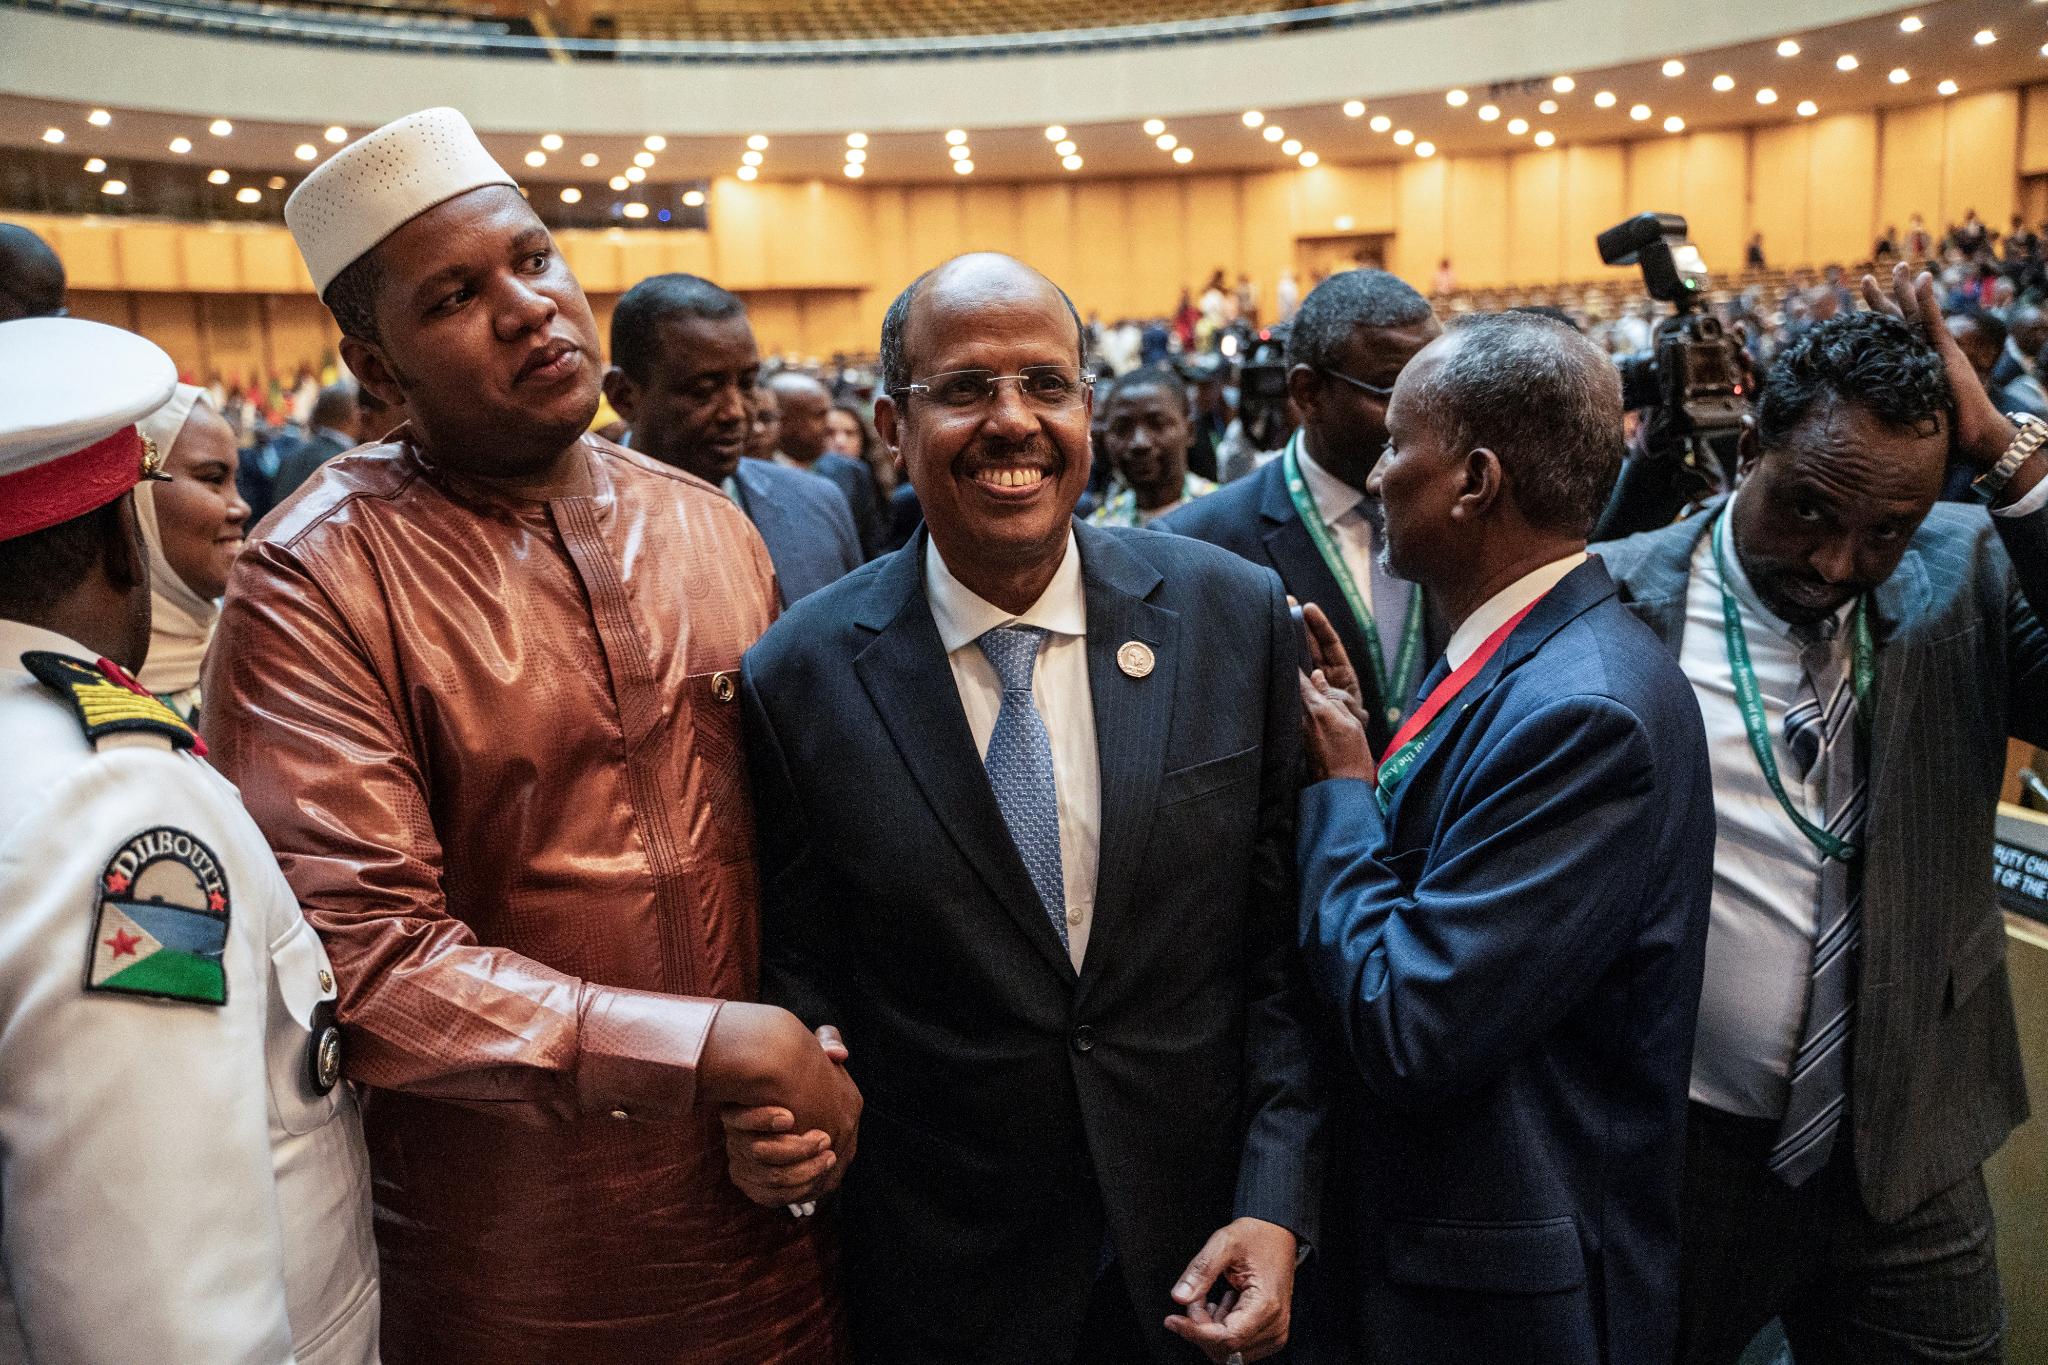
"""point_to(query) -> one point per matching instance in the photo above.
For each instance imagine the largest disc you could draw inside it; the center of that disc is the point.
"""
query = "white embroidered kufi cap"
(382, 181)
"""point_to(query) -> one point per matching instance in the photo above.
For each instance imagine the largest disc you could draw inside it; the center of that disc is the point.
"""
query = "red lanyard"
(1408, 740)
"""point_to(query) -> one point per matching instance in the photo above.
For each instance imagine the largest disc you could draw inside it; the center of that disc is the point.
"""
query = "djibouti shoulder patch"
(160, 922)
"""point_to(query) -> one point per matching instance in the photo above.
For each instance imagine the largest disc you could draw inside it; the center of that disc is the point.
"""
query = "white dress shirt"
(1059, 693)
(1498, 609)
(1353, 525)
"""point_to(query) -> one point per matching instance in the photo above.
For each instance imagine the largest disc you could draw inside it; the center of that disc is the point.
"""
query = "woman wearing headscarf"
(195, 523)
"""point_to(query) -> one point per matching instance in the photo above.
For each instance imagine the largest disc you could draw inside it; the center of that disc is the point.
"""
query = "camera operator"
(1264, 418)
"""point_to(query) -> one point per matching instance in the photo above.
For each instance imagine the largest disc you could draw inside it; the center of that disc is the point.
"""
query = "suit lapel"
(1132, 719)
(911, 686)
(1653, 573)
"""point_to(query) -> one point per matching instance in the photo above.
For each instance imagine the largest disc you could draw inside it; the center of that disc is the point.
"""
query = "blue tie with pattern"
(1019, 765)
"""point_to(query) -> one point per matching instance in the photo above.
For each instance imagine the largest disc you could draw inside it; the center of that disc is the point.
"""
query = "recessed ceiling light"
(1457, 99)
(305, 151)
(643, 159)
(750, 158)
(749, 172)
(114, 187)
(1547, 107)
(1985, 38)
(1403, 137)
(1564, 85)
(1950, 87)
(636, 174)
(1354, 108)
(1674, 67)
(276, 182)
(551, 142)
(1067, 148)
(1488, 112)
(1605, 99)
(1274, 132)
(636, 210)
(1545, 138)
(956, 138)
(1847, 62)
(1425, 149)
(958, 153)
(1308, 159)
(1380, 123)
(53, 136)
(536, 159)
(1788, 48)
(572, 195)
(1055, 133)
(1674, 124)
(757, 143)
(1899, 75)
(1072, 163)
(618, 182)
(1724, 82)
(99, 118)
(1767, 96)
(248, 194)
(1639, 112)
(1807, 108)
(1518, 126)
(654, 142)
(1167, 142)
(856, 139)
(693, 199)
(217, 176)
(1154, 127)
(1253, 118)
(1183, 155)
(588, 159)
(336, 133)
(963, 168)
(1291, 147)
(220, 127)
(95, 166)
(856, 156)
(1911, 24)
(853, 170)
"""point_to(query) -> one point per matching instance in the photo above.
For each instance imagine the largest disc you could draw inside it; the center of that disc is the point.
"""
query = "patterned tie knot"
(1011, 650)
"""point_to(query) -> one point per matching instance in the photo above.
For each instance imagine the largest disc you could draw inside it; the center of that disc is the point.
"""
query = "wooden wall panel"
(1419, 237)
(1045, 230)
(1656, 174)
(172, 322)
(1910, 142)
(991, 218)
(1102, 246)
(1713, 194)
(1213, 233)
(2033, 152)
(236, 340)
(1595, 199)
(1535, 231)
(1783, 162)
(1841, 179)
(1476, 218)
(150, 256)
(1160, 262)
(1266, 209)
(1980, 153)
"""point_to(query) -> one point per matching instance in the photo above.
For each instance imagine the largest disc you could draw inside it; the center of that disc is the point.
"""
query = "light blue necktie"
(1019, 765)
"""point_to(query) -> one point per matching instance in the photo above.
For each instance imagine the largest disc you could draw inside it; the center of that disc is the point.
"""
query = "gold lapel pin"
(1135, 659)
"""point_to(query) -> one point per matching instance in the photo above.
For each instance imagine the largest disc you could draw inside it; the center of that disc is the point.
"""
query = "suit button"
(1084, 1038)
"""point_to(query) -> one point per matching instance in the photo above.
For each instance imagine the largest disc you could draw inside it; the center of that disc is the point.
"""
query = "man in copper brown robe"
(477, 685)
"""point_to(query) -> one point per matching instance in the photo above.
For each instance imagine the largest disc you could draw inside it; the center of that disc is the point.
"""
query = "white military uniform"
(182, 1180)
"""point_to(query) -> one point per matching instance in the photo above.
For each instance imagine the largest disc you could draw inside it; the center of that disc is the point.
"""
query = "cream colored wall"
(819, 263)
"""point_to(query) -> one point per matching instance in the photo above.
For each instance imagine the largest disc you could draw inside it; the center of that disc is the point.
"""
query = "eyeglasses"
(1375, 390)
(1052, 387)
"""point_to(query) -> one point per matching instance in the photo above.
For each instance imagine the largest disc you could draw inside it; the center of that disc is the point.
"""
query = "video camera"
(1690, 385)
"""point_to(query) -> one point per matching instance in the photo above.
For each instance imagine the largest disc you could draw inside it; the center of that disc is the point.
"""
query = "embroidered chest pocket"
(302, 1044)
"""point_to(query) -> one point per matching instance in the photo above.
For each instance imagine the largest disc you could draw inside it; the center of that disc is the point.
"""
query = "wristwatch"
(2033, 435)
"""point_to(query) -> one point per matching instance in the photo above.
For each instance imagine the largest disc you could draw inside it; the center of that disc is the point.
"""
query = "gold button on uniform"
(723, 687)
(326, 980)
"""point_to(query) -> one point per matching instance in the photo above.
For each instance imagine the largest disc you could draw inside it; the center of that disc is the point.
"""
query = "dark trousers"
(1109, 1328)
(1849, 1290)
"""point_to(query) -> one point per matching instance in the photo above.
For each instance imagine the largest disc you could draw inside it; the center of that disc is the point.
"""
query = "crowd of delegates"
(685, 899)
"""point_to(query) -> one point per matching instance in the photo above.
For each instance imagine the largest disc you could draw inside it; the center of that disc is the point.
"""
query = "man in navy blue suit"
(684, 367)
(1025, 795)
(1505, 914)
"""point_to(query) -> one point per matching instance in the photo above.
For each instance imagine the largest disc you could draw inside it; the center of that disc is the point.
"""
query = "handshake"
(791, 1113)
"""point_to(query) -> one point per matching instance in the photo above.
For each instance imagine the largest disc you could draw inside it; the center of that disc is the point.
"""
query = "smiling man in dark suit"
(1025, 791)
(1309, 515)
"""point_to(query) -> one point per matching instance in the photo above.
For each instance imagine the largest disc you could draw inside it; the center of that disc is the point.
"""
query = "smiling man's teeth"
(1012, 478)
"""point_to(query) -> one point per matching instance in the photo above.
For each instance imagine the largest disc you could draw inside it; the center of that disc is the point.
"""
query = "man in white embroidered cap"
(184, 1174)
(478, 684)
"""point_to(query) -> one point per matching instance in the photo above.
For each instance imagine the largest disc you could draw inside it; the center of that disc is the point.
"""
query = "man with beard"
(684, 363)
(1061, 954)
(478, 684)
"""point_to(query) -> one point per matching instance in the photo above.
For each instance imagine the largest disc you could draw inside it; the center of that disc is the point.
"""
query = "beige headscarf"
(182, 620)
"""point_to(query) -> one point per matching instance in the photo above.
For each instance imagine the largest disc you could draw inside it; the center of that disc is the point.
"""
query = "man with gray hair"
(1308, 515)
(1504, 910)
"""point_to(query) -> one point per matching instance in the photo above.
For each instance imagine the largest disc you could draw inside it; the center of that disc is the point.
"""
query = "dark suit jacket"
(1253, 517)
(805, 522)
(296, 465)
(1513, 953)
(1017, 1111)
(857, 481)
(1962, 662)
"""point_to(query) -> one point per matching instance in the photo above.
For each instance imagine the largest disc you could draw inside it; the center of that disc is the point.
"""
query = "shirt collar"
(1497, 609)
(1333, 496)
(963, 617)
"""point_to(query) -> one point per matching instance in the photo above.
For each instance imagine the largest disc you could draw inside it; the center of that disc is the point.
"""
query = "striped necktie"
(1821, 732)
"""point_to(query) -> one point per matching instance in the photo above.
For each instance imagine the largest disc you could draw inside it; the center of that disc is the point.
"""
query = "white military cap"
(71, 392)
(382, 181)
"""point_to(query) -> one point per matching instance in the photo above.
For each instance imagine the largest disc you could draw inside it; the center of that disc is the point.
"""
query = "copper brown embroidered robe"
(495, 747)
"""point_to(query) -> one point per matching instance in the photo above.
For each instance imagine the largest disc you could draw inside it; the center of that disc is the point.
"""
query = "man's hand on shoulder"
(1255, 1259)
(791, 1113)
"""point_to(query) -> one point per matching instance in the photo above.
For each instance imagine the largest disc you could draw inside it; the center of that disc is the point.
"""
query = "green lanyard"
(1394, 691)
(1750, 699)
